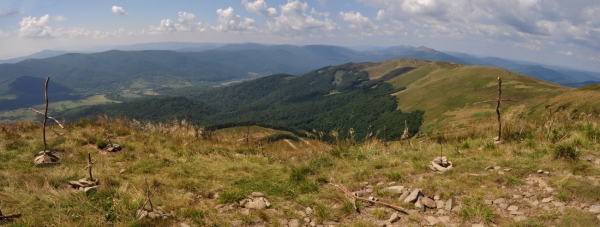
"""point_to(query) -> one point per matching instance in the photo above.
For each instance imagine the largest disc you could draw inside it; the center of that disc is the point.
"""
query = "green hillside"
(335, 98)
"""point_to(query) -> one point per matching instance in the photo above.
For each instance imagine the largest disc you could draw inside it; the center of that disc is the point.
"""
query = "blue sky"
(557, 32)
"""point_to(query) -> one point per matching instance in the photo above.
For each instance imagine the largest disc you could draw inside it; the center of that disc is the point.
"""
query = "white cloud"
(259, 7)
(33, 28)
(119, 11)
(59, 18)
(382, 15)
(293, 18)
(3, 34)
(356, 20)
(228, 21)
(186, 23)
(566, 53)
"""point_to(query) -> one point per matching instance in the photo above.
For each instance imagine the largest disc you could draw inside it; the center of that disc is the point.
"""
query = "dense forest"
(331, 99)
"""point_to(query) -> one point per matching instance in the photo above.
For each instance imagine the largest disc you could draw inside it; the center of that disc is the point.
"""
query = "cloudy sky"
(557, 32)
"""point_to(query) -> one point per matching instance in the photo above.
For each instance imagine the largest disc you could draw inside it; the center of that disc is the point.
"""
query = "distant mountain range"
(195, 64)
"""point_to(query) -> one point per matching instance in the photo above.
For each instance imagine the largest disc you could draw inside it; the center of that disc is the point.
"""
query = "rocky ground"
(534, 199)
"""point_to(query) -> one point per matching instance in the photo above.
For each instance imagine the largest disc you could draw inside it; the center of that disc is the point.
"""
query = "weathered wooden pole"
(498, 109)
(45, 115)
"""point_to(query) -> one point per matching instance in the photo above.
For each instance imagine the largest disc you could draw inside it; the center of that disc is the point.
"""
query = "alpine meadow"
(300, 113)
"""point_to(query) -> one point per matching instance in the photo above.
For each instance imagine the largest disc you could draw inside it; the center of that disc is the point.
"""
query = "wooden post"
(498, 109)
(89, 166)
(149, 196)
(45, 115)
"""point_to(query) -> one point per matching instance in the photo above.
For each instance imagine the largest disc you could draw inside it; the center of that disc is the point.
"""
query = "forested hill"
(340, 99)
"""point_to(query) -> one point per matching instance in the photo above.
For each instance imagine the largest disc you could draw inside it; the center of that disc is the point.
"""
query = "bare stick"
(149, 195)
(9, 216)
(149, 201)
(341, 187)
(45, 114)
(89, 166)
(57, 122)
(498, 109)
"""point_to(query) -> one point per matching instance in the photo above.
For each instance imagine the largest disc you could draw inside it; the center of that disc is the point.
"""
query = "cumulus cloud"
(119, 11)
(227, 20)
(31, 27)
(356, 20)
(518, 20)
(293, 18)
(259, 7)
(185, 23)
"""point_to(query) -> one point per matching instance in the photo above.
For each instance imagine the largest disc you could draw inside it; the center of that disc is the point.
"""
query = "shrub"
(566, 152)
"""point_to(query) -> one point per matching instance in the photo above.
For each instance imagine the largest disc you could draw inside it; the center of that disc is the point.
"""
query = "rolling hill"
(366, 97)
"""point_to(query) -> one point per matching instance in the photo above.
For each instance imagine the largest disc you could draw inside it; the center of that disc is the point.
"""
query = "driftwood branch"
(49, 117)
(354, 198)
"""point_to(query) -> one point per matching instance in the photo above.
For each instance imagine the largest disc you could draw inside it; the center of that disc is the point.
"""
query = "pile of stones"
(440, 164)
(153, 214)
(85, 184)
(45, 159)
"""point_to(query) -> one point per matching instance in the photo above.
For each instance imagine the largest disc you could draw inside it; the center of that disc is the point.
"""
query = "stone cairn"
(257, 201)
(88, 184)
(112, 147)
(151, 212)
(440, 164)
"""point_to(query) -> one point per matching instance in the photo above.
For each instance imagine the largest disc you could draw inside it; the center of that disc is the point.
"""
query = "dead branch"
(9, 216)
(57, 122)
(354, 198)
(498, 109)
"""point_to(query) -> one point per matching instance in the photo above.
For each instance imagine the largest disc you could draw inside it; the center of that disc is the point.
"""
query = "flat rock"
(428, 202)
(499, 201)
(547, 200)
(419, 204)
(413, 196)
(394, 217)
(449, 204)
(256, 204)
(294, 223)
(121, 171)
(432, 220)
(502, 206)
(478, 225)
(395, 189)
(403, 196)
(258, 194)
(513, 208)
(440, 204)
(558, 204)
(89, 190)
(595, 209)
(444, 219)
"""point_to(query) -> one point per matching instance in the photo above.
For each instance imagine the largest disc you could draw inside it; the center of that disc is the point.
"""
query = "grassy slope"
(293, 174)
(449, 92)
(584, 100)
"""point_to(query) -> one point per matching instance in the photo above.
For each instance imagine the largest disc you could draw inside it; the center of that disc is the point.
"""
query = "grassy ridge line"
(449, 92)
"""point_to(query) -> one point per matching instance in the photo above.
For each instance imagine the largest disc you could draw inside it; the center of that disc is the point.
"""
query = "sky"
(554, 32)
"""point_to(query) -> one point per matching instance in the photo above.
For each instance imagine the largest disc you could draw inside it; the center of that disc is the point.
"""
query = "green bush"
(566, 152)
